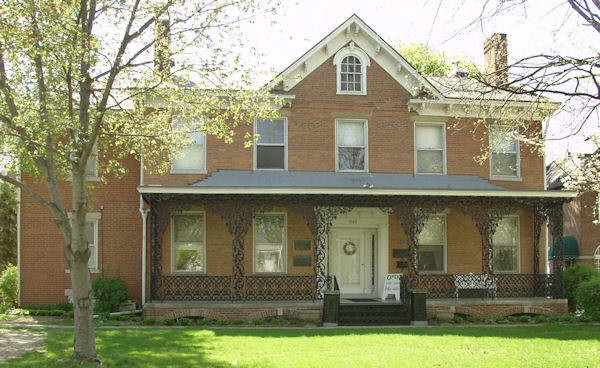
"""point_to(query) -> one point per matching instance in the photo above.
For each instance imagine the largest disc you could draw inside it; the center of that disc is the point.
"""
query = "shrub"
(588, 297)
(525, 318)
(540, 319)
(258, 321)
(293, 321)
(110, 294)
(222, 322)
(457, 319)
(471, 319)
(150, 321)
(238, 322)
(183, 321)
(573, 277)
(9, 287)
(276, 320)
(204, 321)
(168, 321)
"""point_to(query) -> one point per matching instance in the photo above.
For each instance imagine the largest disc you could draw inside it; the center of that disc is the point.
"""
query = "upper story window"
(432, 245)
(504, 152)
(270, 243)
(191, 158)
(351, 145)
(430, 148)
(91, 167)
(506, 245)
(187, 242)
(351, 63)
(270, 149)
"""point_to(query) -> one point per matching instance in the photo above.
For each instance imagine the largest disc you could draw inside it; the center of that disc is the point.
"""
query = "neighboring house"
(581, 219)
(368, 171)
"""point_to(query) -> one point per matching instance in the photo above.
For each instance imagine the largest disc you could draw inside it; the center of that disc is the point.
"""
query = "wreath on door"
(349, 248)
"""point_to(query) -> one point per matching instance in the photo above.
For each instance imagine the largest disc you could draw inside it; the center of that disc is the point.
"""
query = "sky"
(456, 27)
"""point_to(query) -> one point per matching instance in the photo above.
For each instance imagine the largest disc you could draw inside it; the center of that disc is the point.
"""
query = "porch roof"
(305, 182)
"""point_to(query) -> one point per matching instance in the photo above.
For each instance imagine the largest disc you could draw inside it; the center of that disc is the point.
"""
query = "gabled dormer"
(353, 45)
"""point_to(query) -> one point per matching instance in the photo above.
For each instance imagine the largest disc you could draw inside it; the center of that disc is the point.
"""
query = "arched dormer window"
(351, 63)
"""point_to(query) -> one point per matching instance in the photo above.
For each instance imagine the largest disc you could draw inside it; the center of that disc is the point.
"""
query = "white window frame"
(285, 144)
(517, 176)
(284, 241)
(518, 246)
(200, 170)
(94, 217)
(366, 146)
(93, 157)
(365, 61)
(183, 272)
(443, 149)
(444, 248)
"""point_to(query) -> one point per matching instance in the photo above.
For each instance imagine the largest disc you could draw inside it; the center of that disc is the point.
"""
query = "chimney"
(163, 60)
(495, 52)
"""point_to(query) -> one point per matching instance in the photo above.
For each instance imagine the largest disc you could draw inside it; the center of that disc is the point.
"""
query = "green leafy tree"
(76, 78)
(8, 225)
(433, 63)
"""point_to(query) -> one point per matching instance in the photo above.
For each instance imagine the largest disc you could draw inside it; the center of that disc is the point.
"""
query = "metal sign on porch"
(391, 286)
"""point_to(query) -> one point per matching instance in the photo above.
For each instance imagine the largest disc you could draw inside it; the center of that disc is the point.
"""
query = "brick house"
(368, 171)
(581, 219)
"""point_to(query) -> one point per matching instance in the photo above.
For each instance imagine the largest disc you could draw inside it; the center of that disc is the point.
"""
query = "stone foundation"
(445, 309)
(306, 311)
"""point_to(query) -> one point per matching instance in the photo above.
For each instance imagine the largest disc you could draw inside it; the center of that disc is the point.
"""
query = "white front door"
(351, 260)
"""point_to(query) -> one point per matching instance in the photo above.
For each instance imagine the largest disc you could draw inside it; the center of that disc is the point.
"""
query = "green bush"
(238, 322)
(573, 277)
(540, 319)
(471, 319)
(258, 321)
(150, 321)
(9, 287)
(183, 321)
(525, 318)
(457, 319)
(222, 322)
(204, 321)
(110, 293)
(168, 321)
(588, 297)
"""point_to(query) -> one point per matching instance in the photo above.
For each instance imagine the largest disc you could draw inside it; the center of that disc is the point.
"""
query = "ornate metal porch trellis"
(319, 212)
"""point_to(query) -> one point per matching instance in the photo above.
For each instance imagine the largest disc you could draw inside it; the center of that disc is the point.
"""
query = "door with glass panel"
(351, 254)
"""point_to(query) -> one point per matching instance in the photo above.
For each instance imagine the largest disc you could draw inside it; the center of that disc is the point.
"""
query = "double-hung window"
(351, 145)
(504, 152)
(506, 245)
(191, 157)
(271, 143)
(270, 243)
(432, 245)
(91, 238)
(91, 168)
(430, 144)
(188, 242)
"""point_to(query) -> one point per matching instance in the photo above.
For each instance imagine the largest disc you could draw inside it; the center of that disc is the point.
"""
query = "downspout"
(19, 240)
(546, 248)
(144, 213)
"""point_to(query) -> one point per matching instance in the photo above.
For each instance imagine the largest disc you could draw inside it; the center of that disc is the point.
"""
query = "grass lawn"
(480, 346)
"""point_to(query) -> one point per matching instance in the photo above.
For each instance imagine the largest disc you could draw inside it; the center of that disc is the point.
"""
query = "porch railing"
(485, 285)
(220, 288)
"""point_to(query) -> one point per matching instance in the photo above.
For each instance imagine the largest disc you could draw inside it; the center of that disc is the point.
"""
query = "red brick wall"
(43, 264)
(311, 134)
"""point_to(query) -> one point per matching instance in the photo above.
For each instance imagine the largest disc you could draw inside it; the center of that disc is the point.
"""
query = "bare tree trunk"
(84, 337)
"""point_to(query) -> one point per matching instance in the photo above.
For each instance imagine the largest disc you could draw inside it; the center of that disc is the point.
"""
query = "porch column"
(155, 252)
(486, 215)
(555, 215)
(319, 220)
(412, 219)
(238, 219)
(538, 221)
